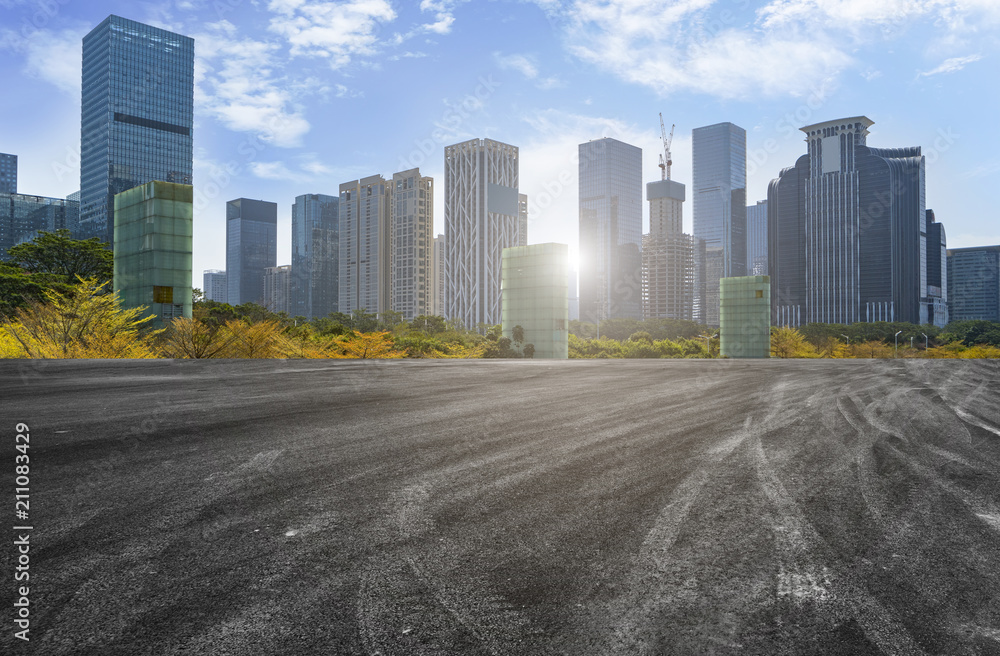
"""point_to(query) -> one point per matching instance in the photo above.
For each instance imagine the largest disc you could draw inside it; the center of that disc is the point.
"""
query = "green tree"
(58, 254)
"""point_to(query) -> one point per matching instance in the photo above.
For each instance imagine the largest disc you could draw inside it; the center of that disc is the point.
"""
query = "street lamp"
(846, 337)
(896, 338)
(708, 344)
(925, 340)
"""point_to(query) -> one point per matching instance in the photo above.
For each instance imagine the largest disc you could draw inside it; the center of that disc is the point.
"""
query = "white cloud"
(235, 83)
(519, 63)
(844, 12)
(444, 16)
(308, 169)
(336, 31)
(951, 65)
(53, 56)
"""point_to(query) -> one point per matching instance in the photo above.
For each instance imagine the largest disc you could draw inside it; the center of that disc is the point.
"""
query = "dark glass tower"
(315, 255)
(610, 230)
(136, 118)
(251, 247)
(719, 200)
(847, 232)
(8, 174)
(974, 283)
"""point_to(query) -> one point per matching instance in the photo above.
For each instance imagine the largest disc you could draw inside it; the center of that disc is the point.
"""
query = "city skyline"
(544, 87)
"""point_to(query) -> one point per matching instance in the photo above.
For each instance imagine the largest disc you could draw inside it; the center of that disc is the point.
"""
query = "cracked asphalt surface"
(509, 507)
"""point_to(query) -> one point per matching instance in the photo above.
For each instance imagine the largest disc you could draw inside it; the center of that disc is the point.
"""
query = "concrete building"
(315, 265)
(719, 212)
(152, 246)
(757, 239)
(365, 245)
(848, 233)
(137, 115)
(610, 198)
(667, 255)
(8, 174)
(535, 296)
(745, 317)
(522, 219)
(439, 286)
(974, 283)
(412, 248)
(22, 216)
(251, 247)
(480, 220)
(278, 288)
(215, 288)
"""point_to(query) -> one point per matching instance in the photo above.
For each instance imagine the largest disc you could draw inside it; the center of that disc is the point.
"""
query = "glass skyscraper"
(610, 230)
(535, 296)
(757, 239)
(315, 255)
(23, 215)
(136, 118)
(8, 174)
(974, 283)
(251, 247)
(719, 202)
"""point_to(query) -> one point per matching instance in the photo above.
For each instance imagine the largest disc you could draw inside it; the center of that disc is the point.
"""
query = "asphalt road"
(522, 507)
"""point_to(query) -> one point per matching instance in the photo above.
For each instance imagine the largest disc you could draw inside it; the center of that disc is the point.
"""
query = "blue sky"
(298, 96)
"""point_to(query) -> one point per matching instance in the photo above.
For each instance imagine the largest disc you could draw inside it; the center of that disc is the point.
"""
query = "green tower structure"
(745, 317)
(534, 294)
(152, 239)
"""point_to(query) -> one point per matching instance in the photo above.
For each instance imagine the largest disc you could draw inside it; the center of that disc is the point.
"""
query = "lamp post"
(911, 341)
(925, 340)
(896, 339)
(708, 343)
(846, 337)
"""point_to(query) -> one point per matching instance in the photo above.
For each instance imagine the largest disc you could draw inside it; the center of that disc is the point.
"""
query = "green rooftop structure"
(745, 317)
(152, 244)
(534, 294)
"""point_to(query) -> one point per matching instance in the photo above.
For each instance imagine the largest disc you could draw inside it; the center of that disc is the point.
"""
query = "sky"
(298, 96)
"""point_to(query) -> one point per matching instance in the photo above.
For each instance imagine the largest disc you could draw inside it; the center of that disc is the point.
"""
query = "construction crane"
(665, 160)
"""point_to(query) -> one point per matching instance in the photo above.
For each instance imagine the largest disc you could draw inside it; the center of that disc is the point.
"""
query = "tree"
(191, 338)
(84, 323)
(260, 340)
(529, 350)
(517, 334)
(790, 343)
(57, 253)
(370, 345)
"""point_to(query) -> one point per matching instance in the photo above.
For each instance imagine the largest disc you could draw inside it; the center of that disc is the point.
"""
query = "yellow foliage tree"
(369, 345)
(789, 343)
(262, 339)
(83, 323)
(191, 338)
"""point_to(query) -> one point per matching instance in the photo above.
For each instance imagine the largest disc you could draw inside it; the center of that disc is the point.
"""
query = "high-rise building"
(480, 220)
(152, 246)
(522, 219)
(535, 296)
(277, 288)
(22, 216)
(719, 156)
(847, 232)
(757, 239)
(610, 230)
(315, 256)
(412, 250)
(8, 174)
(365, 245)
(251, 247)
(974, 283)
(936, 299)
(439, 303)
(667, 255)
(745, 317)
(137, 115)
(215, 286)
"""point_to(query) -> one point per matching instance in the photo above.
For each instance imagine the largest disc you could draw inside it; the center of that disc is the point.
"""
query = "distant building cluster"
(842, 237)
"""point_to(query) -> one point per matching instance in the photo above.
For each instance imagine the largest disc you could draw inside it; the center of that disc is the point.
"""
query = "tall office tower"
(610, 230)
(439, 276)
(251, 247)
(847, 234)
(215, 286)
(936, 299)
(757, 239)
(8, 174)
(522, 219)
(277, 288)
(667, 255)
(974, 283)
(137, 115)
(22, 216)
(365, 245)
(315, 255)
(720, 213)
(152, 260)
(535, 296)
(480, 220)
(412, 257)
